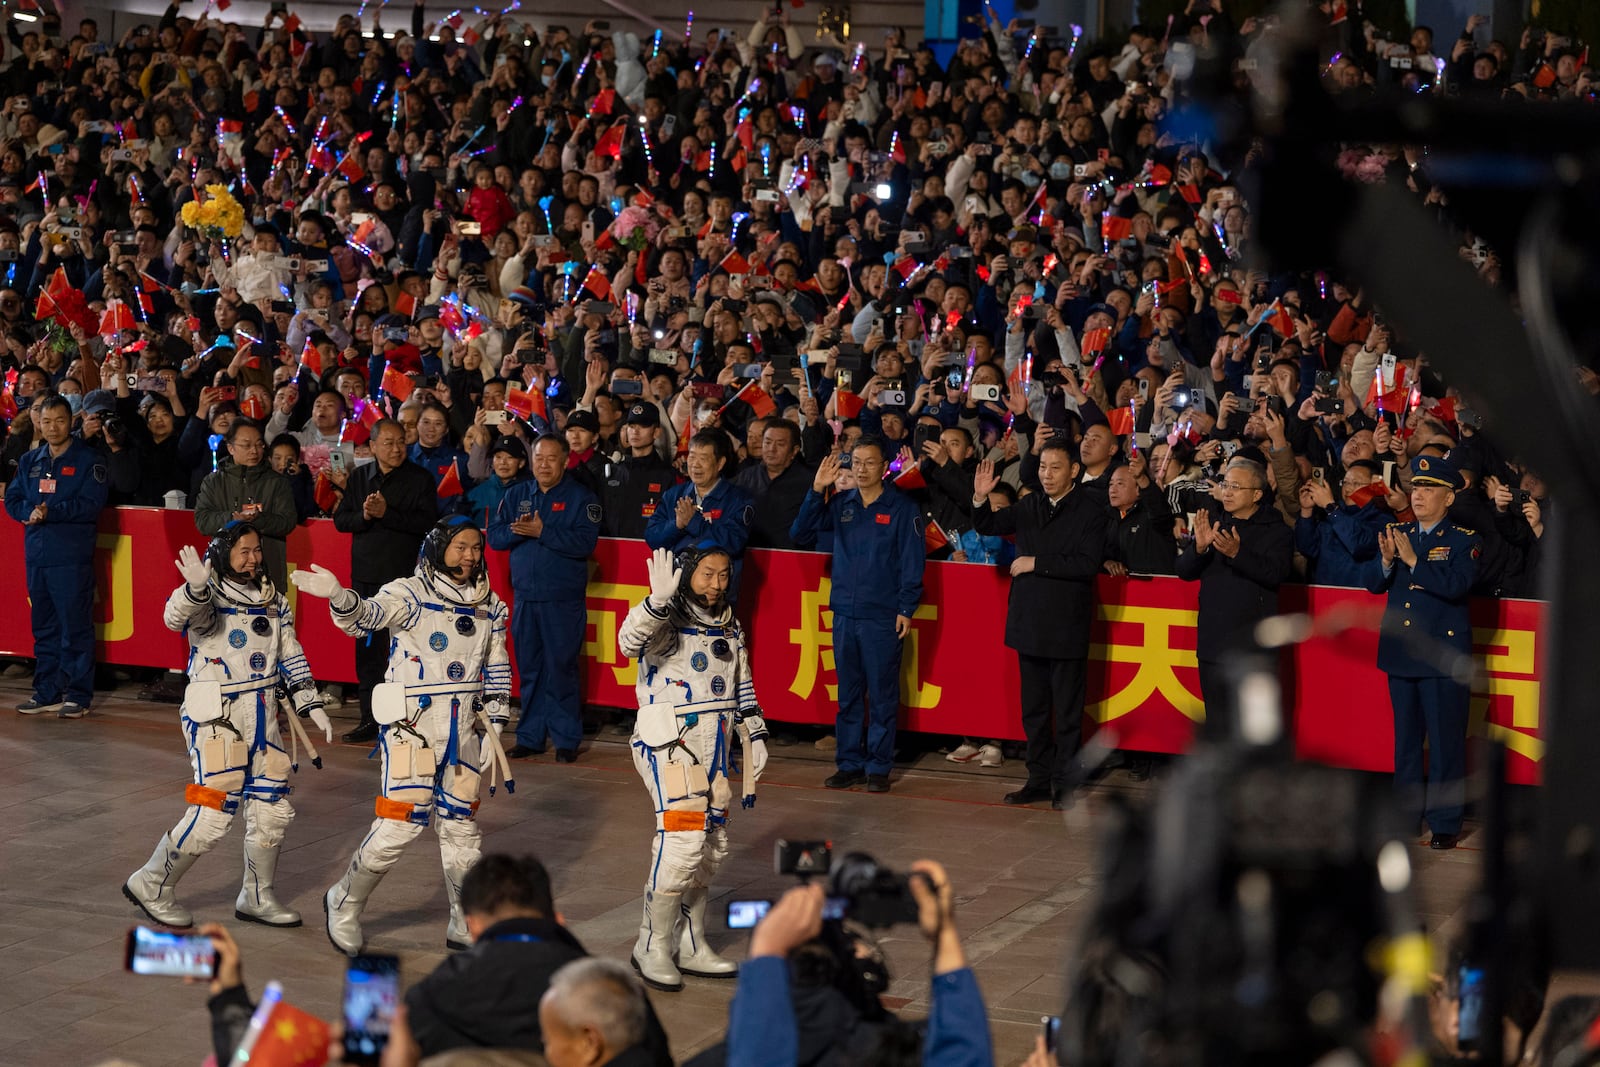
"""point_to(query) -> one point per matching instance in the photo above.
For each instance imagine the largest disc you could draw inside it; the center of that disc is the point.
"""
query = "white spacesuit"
(447, 667)
(242, 647)
(694, 689)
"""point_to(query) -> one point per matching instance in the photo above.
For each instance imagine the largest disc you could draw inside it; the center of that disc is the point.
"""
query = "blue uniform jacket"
(1340, 542)
(724, 519)
(554, 565)
(436, 461)
(1430, 599)
(67, 534)
(878, 551)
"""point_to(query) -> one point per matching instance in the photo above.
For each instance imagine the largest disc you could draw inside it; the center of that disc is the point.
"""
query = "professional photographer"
(830, 972)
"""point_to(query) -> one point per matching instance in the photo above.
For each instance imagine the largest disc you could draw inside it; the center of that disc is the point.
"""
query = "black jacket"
(488, 996)
(950, 493)
(1237, 593)
(631, 492)
(382, 550)
(1051, 607)
(1142, 536)
(777, 501)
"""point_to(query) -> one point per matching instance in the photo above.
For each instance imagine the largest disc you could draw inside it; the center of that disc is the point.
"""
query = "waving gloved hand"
(665, 575)
(320, 717)
(318, 581)
(195, 571)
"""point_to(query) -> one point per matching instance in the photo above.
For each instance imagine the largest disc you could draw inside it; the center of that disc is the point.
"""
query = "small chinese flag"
(396, 384)
(350, 167)
(450, 484)
(325, 493)
(58, 283)
(1163, 288)
(291, 1038)
(847, 405)
(223, 5)
(761, 403)
(1094, 341)
(45, 307)
(1545, 76)
(734, 263)
(1227, 296)
(610, 142)
(147, 305)
(8, 406)
(604, 101)
(471, 36)
(1367, 494)
(599, 285)
(746, 133)
(118, 316)
(1190, 193)
(291, 23)
(702, 162)
(1278, 318)
(405, 304)
(911, 478)
(933, 538)
(1160, 175)
(358, 431)
(1116, 228)
(525, 404)
(1120, 420)
(311, 359)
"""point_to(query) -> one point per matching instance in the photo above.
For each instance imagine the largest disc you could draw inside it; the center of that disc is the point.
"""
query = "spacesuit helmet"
(220, 554)
(434, 545)
(690, 559)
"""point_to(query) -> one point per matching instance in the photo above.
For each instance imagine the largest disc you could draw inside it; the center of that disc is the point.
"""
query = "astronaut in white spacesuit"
(242, 647)
(694, 689)
(448, 669)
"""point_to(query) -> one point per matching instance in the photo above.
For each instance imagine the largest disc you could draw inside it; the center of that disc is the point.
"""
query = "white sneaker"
(965, 752)
(989, 756)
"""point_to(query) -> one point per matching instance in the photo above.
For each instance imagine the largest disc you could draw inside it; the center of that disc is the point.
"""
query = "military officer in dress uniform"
(1426, 567)
(635, 485)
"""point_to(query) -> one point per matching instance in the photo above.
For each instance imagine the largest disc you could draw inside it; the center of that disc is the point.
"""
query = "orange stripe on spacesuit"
(681, 821)
(204, 796)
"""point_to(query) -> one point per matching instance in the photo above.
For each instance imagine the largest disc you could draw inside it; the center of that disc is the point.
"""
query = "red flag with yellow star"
(291, 1038)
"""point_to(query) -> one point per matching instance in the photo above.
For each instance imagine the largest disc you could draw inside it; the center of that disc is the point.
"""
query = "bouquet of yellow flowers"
(217, 215)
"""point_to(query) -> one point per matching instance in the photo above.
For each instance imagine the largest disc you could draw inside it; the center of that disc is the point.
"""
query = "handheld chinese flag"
(604, 101)
(1367, 494)
(291, 1038)
(1278, 318)
(1116, 228)
(599, 285)
(291, 23)
(358, 431)
(118, 316)
(911, 478)
(1094, 341)
(450, 484)
(1120, 420)
(325, 492)
(734, 263)
(396, 384)
(405, 304)
(610, 142)
(758, 399)
(933, 538)
(1190, 193)
(350, 167)
(311, 359)
(525, 404)
(847, 405)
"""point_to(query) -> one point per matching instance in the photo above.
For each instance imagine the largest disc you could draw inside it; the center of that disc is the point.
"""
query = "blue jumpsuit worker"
(550, 524)
(878, 553)
(1426, 567)
(58, 492)
(708, 510)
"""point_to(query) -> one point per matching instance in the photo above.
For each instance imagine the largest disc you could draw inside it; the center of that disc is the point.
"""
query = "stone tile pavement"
(84, 802)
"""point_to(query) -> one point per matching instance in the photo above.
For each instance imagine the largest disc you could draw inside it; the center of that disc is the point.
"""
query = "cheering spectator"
(248, 489)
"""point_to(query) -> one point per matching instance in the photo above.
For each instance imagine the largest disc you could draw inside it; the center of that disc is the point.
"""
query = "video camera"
(858, 888)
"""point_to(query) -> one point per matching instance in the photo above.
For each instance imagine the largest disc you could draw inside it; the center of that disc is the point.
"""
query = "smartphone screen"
(164, 954)
(1470, 1024)
(371, 994)
(744, 914)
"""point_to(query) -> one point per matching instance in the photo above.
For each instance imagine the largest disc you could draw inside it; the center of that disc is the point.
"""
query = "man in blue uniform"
(707, 510)
(1427, 567)
(57, 494)
(550, 524)
(878, 554)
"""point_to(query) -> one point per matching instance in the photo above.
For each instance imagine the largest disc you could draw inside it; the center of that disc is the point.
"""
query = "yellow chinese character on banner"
(814, 636)
(606, 621)
(1507, 654)
(118, 595)
(1156, 658)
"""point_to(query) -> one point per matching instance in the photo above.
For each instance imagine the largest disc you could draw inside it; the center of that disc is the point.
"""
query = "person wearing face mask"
(242, 646)
(448, 667)
(695, 689)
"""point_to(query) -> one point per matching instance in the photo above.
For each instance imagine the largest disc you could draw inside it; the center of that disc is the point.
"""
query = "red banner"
(956, 677)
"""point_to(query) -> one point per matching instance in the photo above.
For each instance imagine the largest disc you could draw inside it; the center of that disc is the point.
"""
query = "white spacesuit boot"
(263, 837)
(151, 887)
(343, 903)
(458, 850)
(695, 956)
(658, 935)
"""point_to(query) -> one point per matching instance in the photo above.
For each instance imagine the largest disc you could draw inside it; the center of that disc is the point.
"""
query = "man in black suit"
(778, 481)
(387, 507)
(1061, 545)
(1239, 558)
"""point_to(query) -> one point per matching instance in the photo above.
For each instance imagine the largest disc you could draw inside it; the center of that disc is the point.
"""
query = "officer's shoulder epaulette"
(1467, 530)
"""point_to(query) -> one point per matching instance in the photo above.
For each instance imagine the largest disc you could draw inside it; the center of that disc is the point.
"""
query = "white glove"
(755, 761)
(665, 574)
(318, 581)
(195, 571)
(320, 717)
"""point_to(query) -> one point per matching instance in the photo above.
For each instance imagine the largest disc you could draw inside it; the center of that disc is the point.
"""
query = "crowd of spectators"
(234, 251)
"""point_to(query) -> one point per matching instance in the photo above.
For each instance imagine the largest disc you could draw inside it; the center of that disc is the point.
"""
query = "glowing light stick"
(1077, 33)
(688, 28)
(655, 47)
(375, 96)
(285, 119)
(644, 135)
